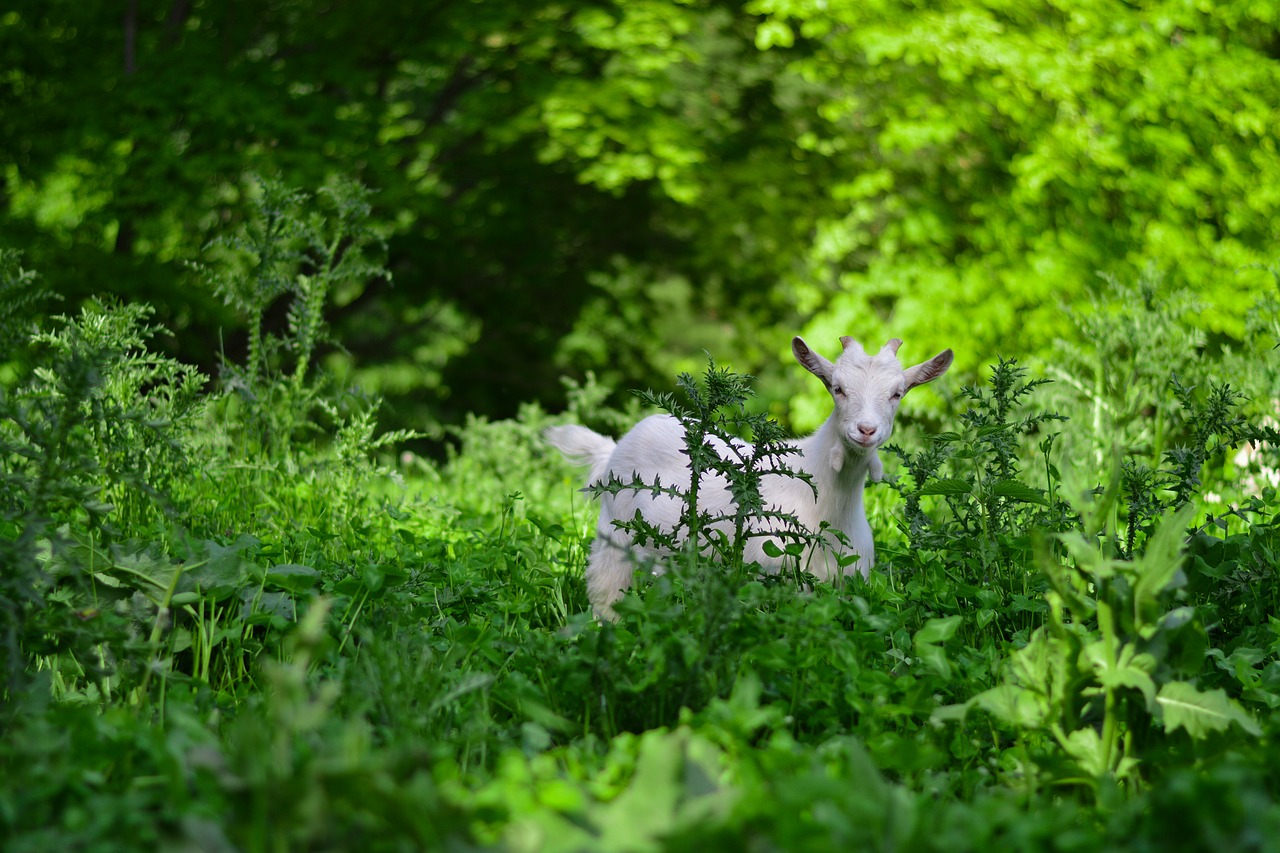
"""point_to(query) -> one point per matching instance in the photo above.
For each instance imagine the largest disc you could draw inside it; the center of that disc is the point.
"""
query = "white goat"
(839, 457)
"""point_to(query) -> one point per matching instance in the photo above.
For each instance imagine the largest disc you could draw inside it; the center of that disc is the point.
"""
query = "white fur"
(839, 457)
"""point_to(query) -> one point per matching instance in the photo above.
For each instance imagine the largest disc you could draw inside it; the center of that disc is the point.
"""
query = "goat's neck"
(838, 472)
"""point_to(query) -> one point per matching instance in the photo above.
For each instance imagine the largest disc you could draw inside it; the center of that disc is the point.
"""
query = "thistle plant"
(978, 473)
(714, 416)
(90, 444)
(22, 296)
(297, 246)
(1210, 423)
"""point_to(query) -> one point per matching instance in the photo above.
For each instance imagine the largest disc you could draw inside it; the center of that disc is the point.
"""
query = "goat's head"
(867, 388)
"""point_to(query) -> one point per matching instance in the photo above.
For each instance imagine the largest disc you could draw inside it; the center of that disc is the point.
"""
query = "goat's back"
(655, 448)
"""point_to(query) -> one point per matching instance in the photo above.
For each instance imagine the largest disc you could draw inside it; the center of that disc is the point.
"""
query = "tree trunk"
(130, 38)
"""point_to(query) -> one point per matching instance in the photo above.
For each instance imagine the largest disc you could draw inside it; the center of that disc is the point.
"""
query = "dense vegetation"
(227, 625)
(284, 564)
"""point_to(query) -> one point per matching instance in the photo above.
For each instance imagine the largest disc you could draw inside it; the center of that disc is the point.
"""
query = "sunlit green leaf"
(1201, 713)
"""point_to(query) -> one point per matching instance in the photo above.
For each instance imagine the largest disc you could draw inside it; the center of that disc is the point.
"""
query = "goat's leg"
(609, 572)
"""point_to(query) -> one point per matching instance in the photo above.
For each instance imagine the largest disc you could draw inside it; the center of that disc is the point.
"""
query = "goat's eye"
(837, 390)
(896, 395)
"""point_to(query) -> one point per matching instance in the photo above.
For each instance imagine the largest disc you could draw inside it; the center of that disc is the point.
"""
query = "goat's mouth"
(865, 442)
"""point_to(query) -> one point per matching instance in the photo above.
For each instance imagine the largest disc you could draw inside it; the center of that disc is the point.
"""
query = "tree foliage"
(618, 186)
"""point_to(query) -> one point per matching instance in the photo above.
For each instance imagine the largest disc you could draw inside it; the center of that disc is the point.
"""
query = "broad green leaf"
(1014, 705)
(106, 579)
(1018, 491)
(349, 585)
(293, 577)
(646, 810)
(1160, 563)
(1201, 713)
(225, 570)
(1085, 746)
(266, 606)
(934, 658)
(946, 486)
(1088, 558)
(1130, 670)
(938, 630)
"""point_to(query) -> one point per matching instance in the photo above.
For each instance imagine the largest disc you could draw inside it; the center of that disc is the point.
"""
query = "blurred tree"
(618, 185)
(959, 174)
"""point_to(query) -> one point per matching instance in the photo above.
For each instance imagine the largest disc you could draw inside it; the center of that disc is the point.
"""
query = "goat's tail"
(582, 446)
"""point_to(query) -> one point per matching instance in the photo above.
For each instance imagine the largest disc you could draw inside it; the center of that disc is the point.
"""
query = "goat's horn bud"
(846, 342)
(892, 345)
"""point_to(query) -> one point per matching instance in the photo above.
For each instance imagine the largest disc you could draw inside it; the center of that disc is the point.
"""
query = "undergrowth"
(235, 616)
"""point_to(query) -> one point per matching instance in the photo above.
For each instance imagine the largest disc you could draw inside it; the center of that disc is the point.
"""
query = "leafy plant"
(1211, 424)
(1116, 366)
(304, 249)
(1109, 679)
(1232, 574)
(296, 246)
(231, 621)
(988, 508)
(22, 296)
(94, 438)
(1151, 392)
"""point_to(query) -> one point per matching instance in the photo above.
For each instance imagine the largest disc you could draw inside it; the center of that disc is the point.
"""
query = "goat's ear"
(930, 370)
(814, 363)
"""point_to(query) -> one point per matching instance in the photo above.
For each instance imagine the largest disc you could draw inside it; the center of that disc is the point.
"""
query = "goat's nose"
(867, 430)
